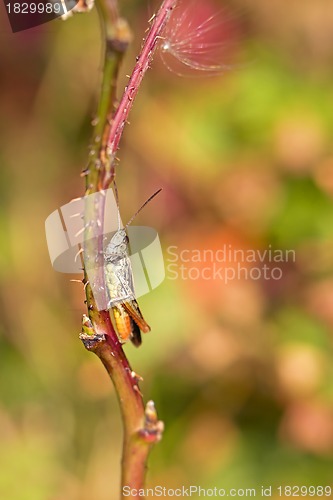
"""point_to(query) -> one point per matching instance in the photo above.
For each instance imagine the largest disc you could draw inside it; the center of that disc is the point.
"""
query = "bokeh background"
(241, 373)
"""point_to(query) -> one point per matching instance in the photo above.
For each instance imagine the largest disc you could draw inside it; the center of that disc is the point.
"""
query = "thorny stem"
(143, 61)
(141, 426)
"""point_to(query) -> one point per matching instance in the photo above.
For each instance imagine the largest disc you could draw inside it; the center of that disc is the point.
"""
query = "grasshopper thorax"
(117, 246)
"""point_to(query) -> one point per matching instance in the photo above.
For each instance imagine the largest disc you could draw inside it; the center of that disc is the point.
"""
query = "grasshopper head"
(118, 244)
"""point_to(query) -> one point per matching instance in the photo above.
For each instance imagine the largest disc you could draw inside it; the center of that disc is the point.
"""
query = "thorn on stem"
(80, 231)
(153, 428)
(78, 253)
(136, 377)
(137, 389)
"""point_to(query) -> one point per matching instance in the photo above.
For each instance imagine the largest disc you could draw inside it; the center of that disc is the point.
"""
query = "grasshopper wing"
(132, 308)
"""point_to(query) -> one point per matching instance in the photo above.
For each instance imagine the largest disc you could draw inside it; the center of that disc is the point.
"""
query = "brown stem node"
(92, 342)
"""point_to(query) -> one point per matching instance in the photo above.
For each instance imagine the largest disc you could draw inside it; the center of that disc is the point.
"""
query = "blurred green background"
(241, 373)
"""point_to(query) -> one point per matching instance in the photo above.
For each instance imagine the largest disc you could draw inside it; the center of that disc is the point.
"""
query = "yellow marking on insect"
(123, 322)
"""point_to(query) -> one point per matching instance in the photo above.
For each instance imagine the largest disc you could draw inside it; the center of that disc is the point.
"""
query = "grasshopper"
(120, 285)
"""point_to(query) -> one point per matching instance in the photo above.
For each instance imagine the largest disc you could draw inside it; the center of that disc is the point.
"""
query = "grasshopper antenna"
(117, 201)
(142, 206)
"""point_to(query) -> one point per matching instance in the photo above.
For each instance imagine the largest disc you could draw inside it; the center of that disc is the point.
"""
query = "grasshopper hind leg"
(136, 334)
(132, 308)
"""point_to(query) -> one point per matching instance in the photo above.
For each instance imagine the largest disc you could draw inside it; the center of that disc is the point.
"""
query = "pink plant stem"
(121, 115)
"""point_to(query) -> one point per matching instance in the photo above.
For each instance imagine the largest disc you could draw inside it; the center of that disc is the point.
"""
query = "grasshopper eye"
(123, 247)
